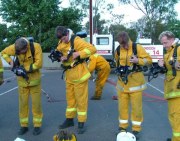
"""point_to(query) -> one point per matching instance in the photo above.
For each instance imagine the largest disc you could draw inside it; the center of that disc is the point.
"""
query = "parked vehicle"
(105, 46)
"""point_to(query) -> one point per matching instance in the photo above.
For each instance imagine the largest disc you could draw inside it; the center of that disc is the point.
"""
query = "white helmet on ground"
(125, 136)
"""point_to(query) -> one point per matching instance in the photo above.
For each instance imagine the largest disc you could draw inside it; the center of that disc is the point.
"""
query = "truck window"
(102, 41)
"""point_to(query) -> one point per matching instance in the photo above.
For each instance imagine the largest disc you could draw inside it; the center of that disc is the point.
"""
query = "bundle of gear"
(64, 136)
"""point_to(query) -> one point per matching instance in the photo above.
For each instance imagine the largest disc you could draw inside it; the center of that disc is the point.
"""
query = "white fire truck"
(105, 46)
(156, 51)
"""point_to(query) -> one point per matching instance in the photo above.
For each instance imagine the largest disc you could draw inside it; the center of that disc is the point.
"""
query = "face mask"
(59, 36)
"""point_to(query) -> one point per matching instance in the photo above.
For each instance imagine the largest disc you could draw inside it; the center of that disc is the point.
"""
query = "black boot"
(136, 134)
(168, 139)
(22, 130)
(95, 98)
(120, 129)
(36, 131)
(67, 123)
(81, 128)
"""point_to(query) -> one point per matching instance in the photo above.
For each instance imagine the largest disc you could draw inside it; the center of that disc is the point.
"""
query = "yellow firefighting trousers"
(174, 117)
(24, 94)
(102, 76)
(77, 100)
(124, 101)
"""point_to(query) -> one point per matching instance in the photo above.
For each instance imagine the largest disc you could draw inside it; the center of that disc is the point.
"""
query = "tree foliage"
(156, 12)
(115, 29)
(38, 18)
(3, 34)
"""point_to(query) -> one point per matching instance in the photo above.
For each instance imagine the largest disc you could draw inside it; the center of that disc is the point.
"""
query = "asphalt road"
(102, 123)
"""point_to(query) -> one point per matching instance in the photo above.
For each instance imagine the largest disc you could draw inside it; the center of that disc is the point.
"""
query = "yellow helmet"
(64, 136)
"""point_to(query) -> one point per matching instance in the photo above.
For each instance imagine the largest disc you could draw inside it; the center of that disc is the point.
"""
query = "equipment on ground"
(64, 136)
(125, 136)
(19, 139)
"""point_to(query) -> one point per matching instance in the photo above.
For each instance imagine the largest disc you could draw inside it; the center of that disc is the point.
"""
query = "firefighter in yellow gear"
(130, 87)
(172, 80)
(21, 50)
(76, 76)
(99, 64)
(1, 72)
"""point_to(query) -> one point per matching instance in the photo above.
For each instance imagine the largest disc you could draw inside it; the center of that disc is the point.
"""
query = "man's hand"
(177, 65)
(161, 63)
(75, 55)
(63, 58)
(11, 64)
(134, 59)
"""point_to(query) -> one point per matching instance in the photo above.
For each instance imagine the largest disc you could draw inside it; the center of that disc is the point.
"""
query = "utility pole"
(90, 21)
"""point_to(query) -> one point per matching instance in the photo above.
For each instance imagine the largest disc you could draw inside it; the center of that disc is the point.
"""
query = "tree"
(155, 11)
(38, 18)
(98, 25)
(3, 34)
(174, 26)
(115, 29)
(99, 7)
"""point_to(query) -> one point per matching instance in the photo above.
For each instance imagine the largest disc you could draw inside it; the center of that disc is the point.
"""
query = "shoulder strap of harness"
(175, 58)
(134, 47)
(32, 49)
(72, 41)
(71, 50)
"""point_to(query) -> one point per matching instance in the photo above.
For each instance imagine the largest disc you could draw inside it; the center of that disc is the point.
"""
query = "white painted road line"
(162, 92)
(8, 91)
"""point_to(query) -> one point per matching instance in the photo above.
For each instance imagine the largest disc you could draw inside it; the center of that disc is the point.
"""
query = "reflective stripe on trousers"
(131, 89)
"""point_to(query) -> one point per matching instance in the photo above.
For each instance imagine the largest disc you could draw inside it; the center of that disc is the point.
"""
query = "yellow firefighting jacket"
(80, 72)
(1, 71)
(171, 89)
(1, 66)
(136, 80)
(96, 62)
(26, 60)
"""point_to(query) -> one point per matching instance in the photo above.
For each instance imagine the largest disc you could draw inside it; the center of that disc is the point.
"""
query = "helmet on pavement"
(125, 136)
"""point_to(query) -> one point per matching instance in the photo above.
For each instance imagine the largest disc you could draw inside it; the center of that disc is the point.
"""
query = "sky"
(131, 14)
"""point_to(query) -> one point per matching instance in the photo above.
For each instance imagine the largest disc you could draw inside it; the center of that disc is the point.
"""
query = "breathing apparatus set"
(20, 71)
(124, 71)
(56, 55)
(156, 69)
(64, 136)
